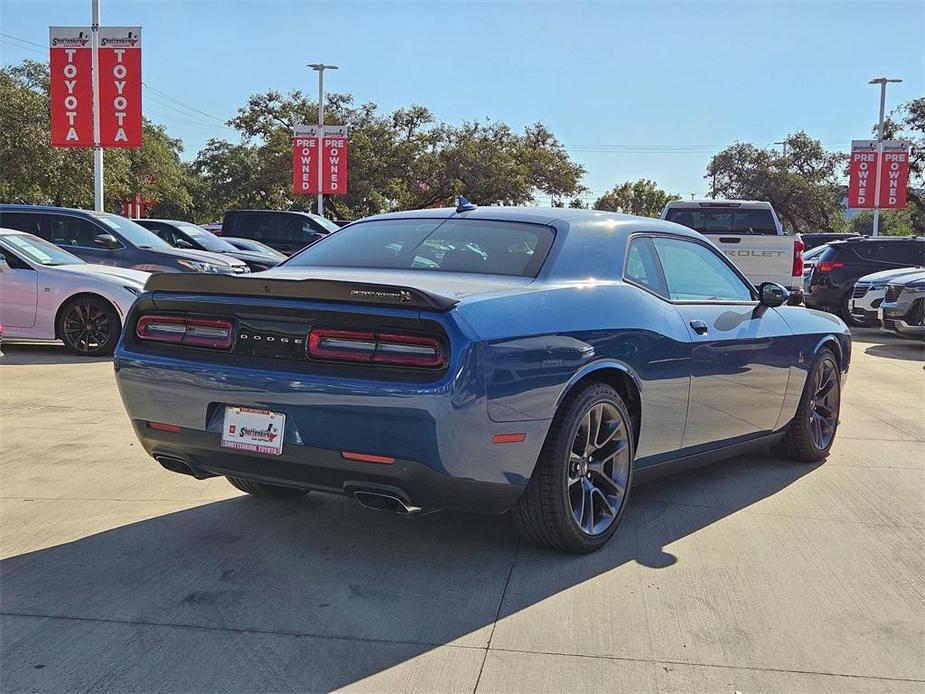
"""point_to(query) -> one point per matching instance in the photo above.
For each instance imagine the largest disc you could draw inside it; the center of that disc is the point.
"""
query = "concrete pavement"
(751, 575)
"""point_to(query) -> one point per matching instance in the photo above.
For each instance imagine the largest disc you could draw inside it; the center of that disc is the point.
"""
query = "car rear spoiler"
(316, 289)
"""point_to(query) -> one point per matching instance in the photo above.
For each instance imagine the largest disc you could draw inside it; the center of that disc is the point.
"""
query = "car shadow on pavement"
(29, 354)
(253, 595)
(880, 343)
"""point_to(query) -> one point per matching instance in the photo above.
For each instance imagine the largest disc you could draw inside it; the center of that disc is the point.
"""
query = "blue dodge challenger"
(537, 361)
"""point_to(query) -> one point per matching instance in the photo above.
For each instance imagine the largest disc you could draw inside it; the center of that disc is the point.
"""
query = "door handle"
(699, 327)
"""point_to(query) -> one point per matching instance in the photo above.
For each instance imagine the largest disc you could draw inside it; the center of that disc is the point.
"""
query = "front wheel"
(580, 487)
(811, 433)
(89, 326)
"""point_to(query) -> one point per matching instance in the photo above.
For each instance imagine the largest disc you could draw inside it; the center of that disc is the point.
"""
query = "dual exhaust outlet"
(379, 501)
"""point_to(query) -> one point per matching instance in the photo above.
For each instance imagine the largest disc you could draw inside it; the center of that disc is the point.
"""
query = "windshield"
(205, 238)
(251, 245)
(324, 222)
(723, 220)
(457, 245)
(813, 252)
(134, 233)
(39, 251)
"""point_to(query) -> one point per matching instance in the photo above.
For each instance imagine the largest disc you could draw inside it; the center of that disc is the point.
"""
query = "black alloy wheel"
(812, 430)
(89, 326)
(580, 486)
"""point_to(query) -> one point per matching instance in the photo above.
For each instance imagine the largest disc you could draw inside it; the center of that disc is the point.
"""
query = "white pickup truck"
(749, 233)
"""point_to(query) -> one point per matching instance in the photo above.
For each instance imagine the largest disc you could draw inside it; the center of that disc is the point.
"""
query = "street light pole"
(882, 81)
(320, 68)
(98, 203)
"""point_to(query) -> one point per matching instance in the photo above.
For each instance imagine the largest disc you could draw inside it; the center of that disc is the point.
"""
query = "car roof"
(710, 202)
(529, 215)
(17, 207)
(10, 232)
(874, 239)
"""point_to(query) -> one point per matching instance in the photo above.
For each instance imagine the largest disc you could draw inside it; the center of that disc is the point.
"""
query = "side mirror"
(183, 243)
(106, 241)
(772, 295)
(3, 266)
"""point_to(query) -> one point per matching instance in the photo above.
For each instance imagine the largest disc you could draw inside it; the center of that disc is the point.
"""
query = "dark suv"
(844, 262)
(108, 239)
(287, 232)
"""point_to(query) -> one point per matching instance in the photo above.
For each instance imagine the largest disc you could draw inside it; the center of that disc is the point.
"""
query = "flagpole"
(98, 203)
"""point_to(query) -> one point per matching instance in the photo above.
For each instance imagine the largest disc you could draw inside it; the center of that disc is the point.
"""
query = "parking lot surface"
(754, 574)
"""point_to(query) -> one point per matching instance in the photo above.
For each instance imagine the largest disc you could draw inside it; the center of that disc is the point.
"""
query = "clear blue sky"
(678, 81)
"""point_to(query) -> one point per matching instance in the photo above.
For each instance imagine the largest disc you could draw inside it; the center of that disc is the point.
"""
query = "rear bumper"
(439, 432)
(325, 470)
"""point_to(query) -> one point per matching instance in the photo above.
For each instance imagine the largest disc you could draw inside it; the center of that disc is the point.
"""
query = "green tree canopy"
(406, 159)
(907, 122)
(804, 186)
(643, 198)
(32, 171)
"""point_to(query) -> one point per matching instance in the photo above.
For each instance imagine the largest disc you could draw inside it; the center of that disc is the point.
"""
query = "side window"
(290, 228)
(255, 225)
(899, 252)
(13, 260)
(22, 221)
(65, 230)
(695, 273)
(642, 266)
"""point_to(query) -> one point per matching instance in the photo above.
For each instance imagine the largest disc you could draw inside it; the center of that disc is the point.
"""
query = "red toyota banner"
(894, 175)
(70, 87)
(120, 86)
(862, 174)
(334, 160)
(304, 160)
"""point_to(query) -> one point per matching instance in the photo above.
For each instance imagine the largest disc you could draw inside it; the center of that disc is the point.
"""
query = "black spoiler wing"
(320, 290)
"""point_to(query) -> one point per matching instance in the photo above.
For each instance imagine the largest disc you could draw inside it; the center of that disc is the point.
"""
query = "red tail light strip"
(196, 332)
(160, 426)
(798, 247)
(829, 265)
(509, 438)
(367, 458)
(376, 348)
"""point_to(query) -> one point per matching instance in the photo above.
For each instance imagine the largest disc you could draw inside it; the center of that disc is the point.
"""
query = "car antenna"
(463, 205)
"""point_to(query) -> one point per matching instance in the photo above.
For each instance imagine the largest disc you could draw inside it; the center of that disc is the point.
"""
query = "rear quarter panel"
(536, 344)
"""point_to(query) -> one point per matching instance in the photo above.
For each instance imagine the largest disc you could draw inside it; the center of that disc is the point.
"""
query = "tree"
(804, 186)
(643, 198)
(907, 122)
(892, 222)
(34, 172)
(402, 160)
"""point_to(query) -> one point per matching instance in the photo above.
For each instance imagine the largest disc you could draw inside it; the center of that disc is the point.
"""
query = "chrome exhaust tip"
(380, 501)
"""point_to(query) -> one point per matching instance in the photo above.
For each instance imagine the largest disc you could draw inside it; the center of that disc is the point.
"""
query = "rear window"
(456, 245)
(725, 220)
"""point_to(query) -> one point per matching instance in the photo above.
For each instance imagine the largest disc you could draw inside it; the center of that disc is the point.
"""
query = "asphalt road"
(752, 575)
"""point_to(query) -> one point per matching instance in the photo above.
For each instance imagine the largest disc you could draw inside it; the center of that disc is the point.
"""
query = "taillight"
(798, 247)
(371, 347)
(828, 265)
(194, 332)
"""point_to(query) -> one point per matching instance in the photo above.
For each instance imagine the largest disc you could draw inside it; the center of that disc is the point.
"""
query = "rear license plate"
(249, 429)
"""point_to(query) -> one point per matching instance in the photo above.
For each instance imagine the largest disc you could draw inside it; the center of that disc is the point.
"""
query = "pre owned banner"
(333, 143)
(893, 165)
(70, 87)
(334, 160)
(120, 86)
(862, 174)
(894, 175)
(304, 160)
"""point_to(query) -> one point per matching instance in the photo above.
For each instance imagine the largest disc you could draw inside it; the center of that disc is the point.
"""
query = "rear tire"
(811, 433)
(274, 491)
(581, 483)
